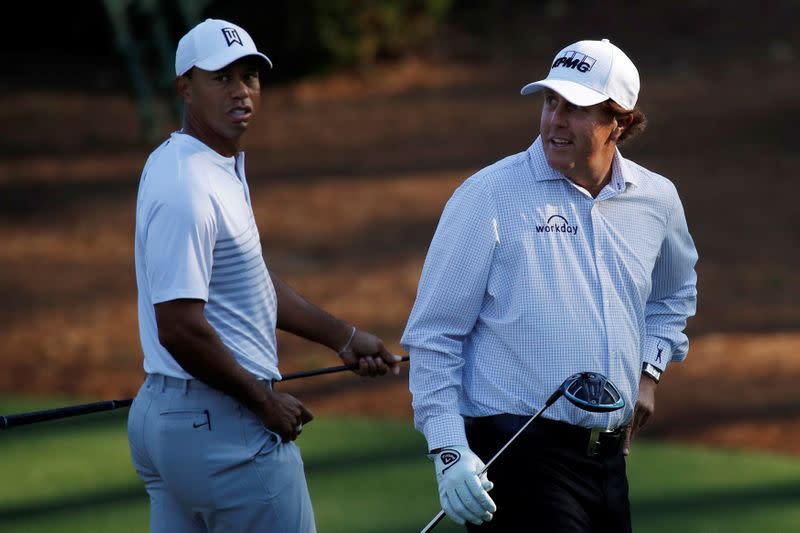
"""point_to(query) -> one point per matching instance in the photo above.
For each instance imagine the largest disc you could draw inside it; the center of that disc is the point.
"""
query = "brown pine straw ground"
(348, 177)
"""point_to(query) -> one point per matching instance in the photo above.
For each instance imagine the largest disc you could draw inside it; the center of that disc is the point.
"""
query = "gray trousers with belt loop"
(210, 465)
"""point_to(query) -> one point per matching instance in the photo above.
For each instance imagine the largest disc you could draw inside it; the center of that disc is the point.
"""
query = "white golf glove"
(462, 489)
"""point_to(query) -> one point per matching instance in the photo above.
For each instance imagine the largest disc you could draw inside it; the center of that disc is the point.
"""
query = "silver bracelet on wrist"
(347, 344)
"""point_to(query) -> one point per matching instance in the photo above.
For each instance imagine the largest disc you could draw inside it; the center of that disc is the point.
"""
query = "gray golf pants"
(209, 464)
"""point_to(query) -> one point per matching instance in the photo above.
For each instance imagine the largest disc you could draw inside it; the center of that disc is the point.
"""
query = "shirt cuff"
(445, 430)
(657, 352)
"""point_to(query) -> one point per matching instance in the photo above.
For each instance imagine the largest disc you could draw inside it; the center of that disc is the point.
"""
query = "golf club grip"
(329, 370)
(63, 412)
(432, 523)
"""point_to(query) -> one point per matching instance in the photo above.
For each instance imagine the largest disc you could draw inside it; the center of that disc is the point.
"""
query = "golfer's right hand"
(462, 489)
(284, 414)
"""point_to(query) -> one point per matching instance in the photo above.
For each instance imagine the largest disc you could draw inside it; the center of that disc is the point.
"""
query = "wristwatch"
(651, 371)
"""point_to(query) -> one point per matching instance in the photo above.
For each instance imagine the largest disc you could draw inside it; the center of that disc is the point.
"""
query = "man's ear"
(622, 124)
(183, 86)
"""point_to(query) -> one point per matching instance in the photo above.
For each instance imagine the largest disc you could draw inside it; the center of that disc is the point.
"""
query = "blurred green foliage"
(358, 33)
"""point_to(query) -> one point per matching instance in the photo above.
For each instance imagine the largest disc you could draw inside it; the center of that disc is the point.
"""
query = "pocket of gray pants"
(259, 439)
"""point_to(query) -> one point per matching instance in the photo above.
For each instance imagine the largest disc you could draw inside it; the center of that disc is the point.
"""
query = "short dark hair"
(636, 127)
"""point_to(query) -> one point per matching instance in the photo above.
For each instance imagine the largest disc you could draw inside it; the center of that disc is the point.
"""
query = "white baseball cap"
(590, 72)
(214, 44)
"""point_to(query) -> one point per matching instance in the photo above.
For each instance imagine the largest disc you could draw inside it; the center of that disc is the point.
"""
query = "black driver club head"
(592, 391)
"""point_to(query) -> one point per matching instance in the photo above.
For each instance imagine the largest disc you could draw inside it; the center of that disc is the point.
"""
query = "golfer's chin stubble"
(560, 162)
(230, 130)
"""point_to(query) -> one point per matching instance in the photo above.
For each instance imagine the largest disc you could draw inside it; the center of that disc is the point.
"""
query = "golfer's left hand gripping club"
(33, 417)
(589, 391)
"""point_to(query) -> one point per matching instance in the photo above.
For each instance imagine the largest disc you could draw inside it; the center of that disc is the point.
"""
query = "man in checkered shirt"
(561, 259)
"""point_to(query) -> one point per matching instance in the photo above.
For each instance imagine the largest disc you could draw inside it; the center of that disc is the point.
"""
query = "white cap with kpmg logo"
(214, 44)
(589, 72)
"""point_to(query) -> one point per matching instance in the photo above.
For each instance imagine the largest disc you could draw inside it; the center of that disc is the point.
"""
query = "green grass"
(370, 475)
(692, 489)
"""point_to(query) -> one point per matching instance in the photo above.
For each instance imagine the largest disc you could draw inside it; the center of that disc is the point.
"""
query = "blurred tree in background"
(309, 36)
(358, 33)
(302, 37)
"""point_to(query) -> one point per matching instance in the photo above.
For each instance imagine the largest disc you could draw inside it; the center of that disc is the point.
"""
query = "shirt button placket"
(605, 282)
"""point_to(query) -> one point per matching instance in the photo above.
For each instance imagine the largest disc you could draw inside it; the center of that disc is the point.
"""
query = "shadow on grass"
(73, 504)
(361, 459)
(649, 510)
(717, 502)
(652, 509)
(86, 501)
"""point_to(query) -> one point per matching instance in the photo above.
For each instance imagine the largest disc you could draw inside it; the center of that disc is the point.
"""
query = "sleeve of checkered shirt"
(673, 298)
(450, 295)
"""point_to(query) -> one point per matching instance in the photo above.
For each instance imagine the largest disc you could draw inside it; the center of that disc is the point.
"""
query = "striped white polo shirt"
(196, 237)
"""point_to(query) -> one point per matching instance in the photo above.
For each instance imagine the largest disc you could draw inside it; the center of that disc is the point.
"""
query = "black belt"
(593, 442)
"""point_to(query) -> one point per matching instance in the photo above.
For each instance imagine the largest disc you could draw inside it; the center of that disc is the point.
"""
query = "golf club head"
(593, 392)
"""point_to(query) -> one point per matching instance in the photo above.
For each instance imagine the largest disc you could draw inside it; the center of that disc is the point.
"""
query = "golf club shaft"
(33, 417)
(550, 401)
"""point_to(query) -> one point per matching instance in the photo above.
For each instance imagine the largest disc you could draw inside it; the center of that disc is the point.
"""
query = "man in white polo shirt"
(209, 437)
(561, 259)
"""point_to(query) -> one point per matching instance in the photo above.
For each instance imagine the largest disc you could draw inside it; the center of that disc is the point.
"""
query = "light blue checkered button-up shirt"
(529, 280)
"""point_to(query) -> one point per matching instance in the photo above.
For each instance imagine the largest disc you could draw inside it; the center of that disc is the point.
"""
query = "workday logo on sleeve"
(557, 224)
